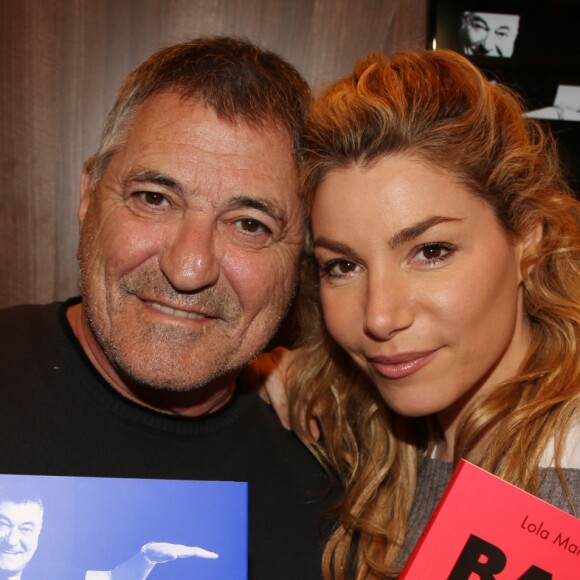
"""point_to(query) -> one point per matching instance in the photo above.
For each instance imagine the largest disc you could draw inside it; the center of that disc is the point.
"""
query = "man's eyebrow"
(154, 177)
(261, 204)
(480, 21)
(413, 231)
(241, 201)
(7, 520)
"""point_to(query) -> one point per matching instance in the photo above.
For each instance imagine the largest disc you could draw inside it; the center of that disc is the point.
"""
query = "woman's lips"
(401, 365)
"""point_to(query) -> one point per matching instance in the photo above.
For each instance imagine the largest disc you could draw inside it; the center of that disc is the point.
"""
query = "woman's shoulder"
(551, 489)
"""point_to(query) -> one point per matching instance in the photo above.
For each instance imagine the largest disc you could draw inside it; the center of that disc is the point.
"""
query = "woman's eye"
(433, 253)
(338, 268)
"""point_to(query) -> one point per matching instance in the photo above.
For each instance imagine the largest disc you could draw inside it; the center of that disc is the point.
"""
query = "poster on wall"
(88, 528)
(530, 46)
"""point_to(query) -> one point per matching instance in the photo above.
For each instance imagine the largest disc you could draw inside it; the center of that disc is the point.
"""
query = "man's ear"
(529, 247)
(86, 190)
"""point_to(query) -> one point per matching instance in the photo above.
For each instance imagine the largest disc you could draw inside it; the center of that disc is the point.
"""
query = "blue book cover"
(64, 528)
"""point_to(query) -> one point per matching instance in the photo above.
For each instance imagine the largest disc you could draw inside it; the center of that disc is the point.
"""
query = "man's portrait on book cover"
(119, 529)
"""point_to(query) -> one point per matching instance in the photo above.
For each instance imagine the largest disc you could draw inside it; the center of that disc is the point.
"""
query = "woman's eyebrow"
(336, 247)
(411, 232)
(397, 240)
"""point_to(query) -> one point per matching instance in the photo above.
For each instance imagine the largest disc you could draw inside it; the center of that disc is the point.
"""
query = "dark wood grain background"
(61, 62)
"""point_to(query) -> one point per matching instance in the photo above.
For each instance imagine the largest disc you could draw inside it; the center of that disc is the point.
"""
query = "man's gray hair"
(239, 80)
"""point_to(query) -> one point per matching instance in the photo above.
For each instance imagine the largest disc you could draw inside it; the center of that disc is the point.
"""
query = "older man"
(191, 230)
(21, 515)
(489, 34)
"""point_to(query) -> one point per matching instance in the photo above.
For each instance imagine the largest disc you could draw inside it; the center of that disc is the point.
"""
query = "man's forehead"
(21, 510)
(189, 132)
(165, 114)
(497, 19)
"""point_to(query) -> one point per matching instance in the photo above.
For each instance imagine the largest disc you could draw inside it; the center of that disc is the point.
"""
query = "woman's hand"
(271, 373)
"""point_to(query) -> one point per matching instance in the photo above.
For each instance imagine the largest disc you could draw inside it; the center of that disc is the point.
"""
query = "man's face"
(189, 245)
(488, 34)
(20, 526)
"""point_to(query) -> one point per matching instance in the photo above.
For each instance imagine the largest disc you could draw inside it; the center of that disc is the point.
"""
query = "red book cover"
(485, 528)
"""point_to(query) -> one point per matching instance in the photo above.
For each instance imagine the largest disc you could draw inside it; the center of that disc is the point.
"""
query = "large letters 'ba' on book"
(485, 528)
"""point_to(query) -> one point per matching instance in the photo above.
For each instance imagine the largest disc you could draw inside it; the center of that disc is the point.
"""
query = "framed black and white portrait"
(530, 46)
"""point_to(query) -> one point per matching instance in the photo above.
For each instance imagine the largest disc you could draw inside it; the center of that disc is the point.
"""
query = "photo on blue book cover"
(68, 528)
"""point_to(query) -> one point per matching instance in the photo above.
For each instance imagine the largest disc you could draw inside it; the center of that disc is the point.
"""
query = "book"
(486, 528)
(68, 528)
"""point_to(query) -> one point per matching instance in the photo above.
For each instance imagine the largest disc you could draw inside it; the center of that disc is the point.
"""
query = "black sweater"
(59, 417)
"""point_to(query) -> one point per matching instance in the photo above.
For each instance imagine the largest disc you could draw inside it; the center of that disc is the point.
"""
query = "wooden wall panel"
(61, 62)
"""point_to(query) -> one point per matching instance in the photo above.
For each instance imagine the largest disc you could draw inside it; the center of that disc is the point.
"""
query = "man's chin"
(170, 381)
(12, 563)
(167, 390)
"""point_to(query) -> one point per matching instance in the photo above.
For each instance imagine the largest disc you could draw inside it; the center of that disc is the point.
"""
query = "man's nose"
(488, 43)
(12, 537)
(189, 258)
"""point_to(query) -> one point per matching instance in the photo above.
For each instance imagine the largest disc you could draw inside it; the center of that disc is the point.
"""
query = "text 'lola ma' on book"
(485, 528)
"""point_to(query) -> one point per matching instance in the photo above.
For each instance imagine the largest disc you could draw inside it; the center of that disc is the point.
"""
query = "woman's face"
(419, 284)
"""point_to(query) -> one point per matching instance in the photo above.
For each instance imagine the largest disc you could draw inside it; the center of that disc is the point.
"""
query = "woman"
(446, 248)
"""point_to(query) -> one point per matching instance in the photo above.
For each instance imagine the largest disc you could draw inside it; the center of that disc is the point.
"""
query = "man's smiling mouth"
(176, 312)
